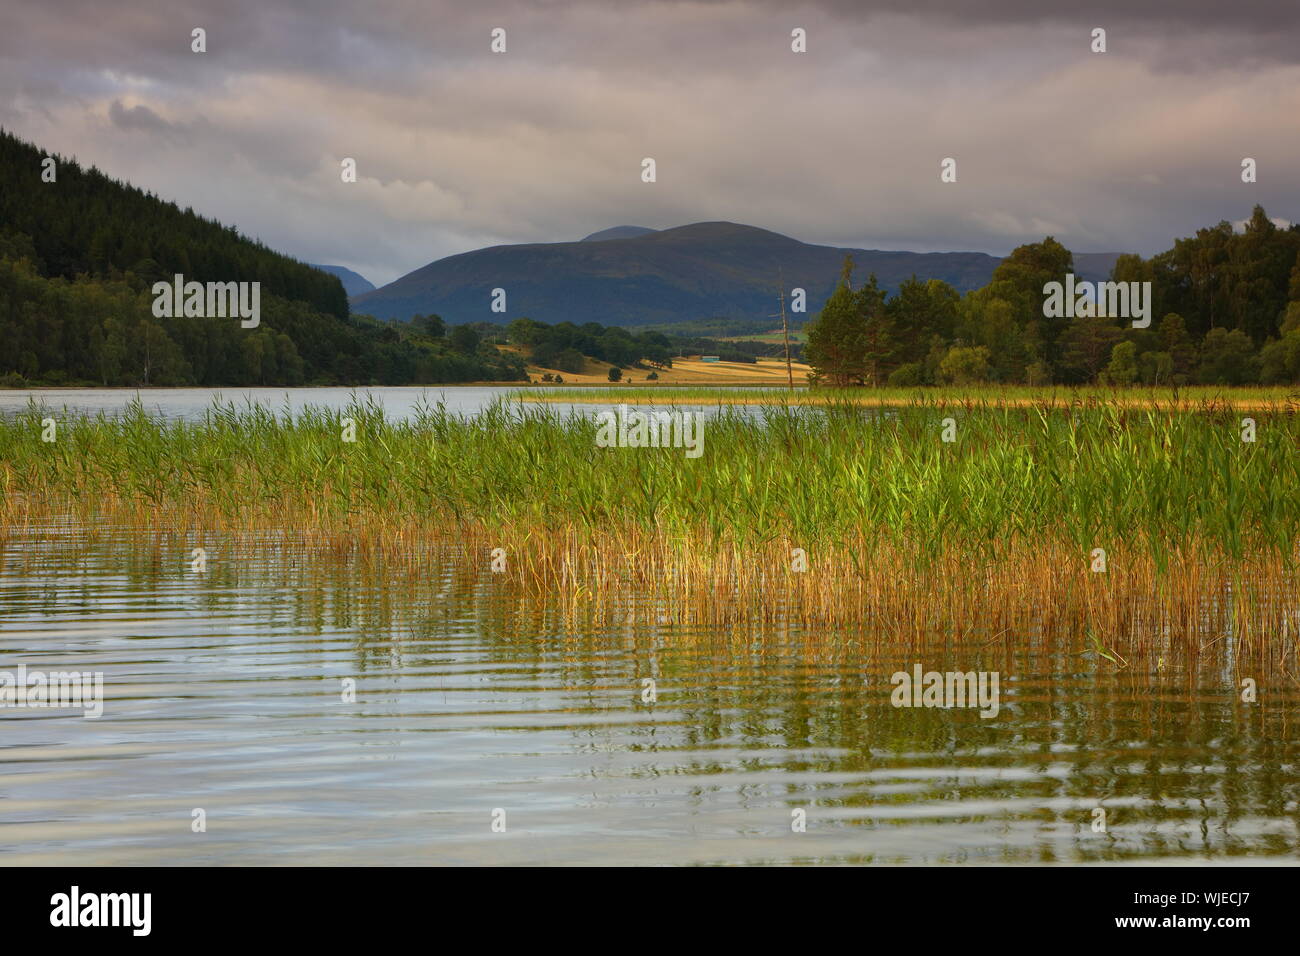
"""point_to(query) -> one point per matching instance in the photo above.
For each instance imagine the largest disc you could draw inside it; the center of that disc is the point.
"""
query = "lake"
(226, 693)
(191, 403)
(399, 402)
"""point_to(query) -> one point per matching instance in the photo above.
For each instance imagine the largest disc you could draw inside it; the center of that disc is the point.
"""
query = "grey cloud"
(137, 117)
(457, 147)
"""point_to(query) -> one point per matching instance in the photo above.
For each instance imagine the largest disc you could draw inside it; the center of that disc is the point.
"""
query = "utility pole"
(785, 331)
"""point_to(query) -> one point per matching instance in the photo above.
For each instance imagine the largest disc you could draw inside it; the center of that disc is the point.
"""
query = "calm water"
(224, 693)
(190, 403)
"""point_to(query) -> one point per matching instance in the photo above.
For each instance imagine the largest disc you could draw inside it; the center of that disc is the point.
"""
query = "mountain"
(84, 223)
(353, 283)
(618, 232)
(80, 254)
(1094, 266)
(650, 277)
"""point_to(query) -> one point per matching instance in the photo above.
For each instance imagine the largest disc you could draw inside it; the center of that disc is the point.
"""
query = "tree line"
(563, 345)
(1225, 310)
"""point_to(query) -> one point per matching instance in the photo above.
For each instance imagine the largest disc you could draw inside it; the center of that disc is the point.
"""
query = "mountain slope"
(79, 255)
(617, 232)
(1094, 266)
(690, 272)
(85, 223)
(353, 283)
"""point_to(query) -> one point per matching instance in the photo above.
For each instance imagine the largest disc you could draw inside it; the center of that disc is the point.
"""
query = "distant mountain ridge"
(353, 283)
(633, 276)
(618, 232)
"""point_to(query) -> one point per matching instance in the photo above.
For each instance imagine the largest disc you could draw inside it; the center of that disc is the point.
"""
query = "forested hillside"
(79, 256)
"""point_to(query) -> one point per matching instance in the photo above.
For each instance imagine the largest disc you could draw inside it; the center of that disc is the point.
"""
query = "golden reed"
(870, 589)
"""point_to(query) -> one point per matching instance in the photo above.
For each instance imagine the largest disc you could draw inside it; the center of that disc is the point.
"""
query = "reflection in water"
(191, 404)
(225, 693)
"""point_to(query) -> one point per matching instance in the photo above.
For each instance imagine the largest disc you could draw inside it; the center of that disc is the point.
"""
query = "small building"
(710, 358)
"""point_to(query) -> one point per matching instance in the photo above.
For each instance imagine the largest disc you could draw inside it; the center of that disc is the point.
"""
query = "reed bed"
(907, 537)
(1197, 398)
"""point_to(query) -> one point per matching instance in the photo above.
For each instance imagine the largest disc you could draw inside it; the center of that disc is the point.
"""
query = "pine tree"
(837, 337)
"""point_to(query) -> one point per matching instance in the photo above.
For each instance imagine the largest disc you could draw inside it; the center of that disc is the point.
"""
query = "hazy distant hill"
(690, 272)
(631, 276)
(1094, 266)
(353, 283)
(617, 232)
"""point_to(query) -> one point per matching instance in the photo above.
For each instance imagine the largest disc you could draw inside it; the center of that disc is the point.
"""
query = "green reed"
(1190, 397)
(1100, 476)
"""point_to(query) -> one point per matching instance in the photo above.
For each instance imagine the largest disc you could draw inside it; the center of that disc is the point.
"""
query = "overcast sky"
(458, 147)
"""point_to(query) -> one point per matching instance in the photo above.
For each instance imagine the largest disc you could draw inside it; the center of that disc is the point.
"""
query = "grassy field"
(904, 534)
(684, 371)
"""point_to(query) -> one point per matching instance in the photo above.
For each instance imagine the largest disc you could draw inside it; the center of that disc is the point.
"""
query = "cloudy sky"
(458, 147)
